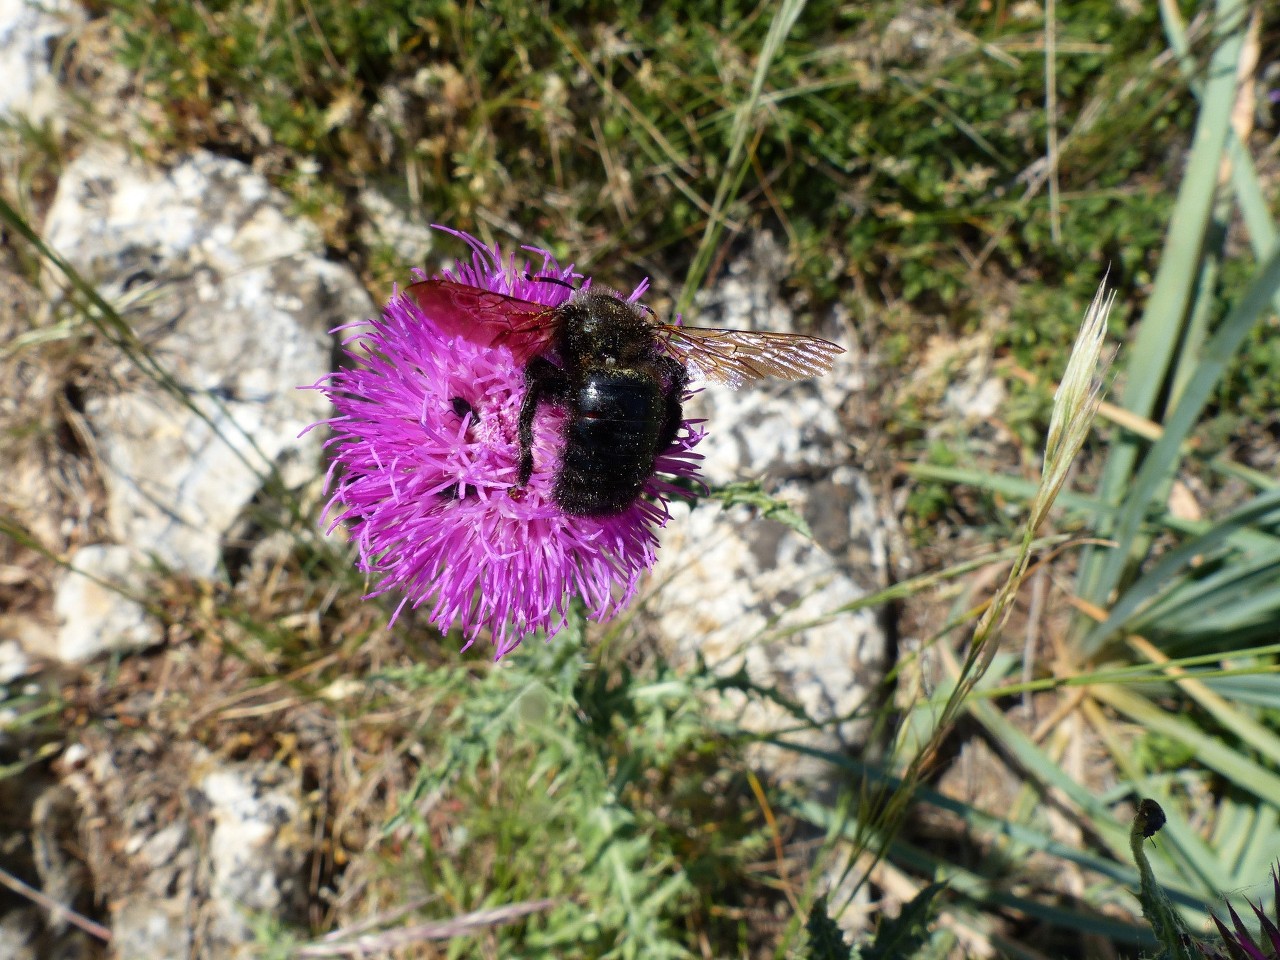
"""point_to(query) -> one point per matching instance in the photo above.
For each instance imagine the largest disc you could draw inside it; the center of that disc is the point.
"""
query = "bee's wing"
(735, 357)
(484, 317)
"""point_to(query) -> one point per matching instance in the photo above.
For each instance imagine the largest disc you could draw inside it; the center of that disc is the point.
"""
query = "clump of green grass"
(890, 142)
(1171, 652)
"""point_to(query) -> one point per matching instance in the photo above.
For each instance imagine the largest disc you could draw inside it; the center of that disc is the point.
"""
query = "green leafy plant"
(1178, 616)
(587, 788)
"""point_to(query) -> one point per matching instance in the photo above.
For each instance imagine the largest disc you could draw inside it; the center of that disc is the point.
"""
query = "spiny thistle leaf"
(1239, 943)
(904, 935)
(826, 939)
(752, 494)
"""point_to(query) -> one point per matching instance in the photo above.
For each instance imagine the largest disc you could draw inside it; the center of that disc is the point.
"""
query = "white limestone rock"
(95, 608)
(257, 849)
(749, 593)
(187, 852)
(29, 32)
(231, 299)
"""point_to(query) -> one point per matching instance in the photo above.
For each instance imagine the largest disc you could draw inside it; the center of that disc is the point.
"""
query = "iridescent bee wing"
(736, 357)
(486, 318)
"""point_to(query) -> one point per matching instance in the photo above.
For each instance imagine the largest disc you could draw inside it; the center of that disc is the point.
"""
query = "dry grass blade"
(377, 943)
(736, 165)
(377, 921)
(1075, 406)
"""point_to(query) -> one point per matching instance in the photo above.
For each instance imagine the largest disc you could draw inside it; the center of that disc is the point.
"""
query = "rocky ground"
(177, 793)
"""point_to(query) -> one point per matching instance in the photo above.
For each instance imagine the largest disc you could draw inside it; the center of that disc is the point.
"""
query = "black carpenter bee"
(619, 372)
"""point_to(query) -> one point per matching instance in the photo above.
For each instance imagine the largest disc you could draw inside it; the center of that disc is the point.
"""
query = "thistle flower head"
(1239, 942)
(425, 454)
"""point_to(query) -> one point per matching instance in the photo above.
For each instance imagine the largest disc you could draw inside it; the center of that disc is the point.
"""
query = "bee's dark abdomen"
(610, 441)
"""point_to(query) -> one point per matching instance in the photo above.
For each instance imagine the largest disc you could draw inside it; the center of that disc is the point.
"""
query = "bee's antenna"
(543, 278)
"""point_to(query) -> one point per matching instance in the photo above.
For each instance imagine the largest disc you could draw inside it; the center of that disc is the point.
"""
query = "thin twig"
(385, 940)
(56, 910)
(377, 920)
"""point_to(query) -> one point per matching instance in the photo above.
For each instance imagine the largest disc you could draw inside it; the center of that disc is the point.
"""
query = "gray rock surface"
(29, 31)
(95, 608)
(749, 593)
(256, 849)
(191, 852)
(386, 225)
(20, 933)
(230, 300)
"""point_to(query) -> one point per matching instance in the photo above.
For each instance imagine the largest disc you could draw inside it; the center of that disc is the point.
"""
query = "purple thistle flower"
(425, 452)
(1239, 943)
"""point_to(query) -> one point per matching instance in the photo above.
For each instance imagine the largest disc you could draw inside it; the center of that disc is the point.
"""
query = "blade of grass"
(1160, 328)
(907, 588)
(1157, 581)
(974, 818)
(1248, 730)
(1236, 593)
(1162, 459)
(1256, 687)
(1184, 849)
(1015, 488)
(1149, 430)
(1244, 175)
(661, 152)
(1258, 858)
(973, 885)
(982, 890)
(1074, 410)
(1102, 822)
(1133, 674)
(738, 162)
(1246, 774)
(1196, 330)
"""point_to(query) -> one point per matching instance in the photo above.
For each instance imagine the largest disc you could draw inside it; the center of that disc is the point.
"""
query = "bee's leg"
(677, 379)
(542, 380)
